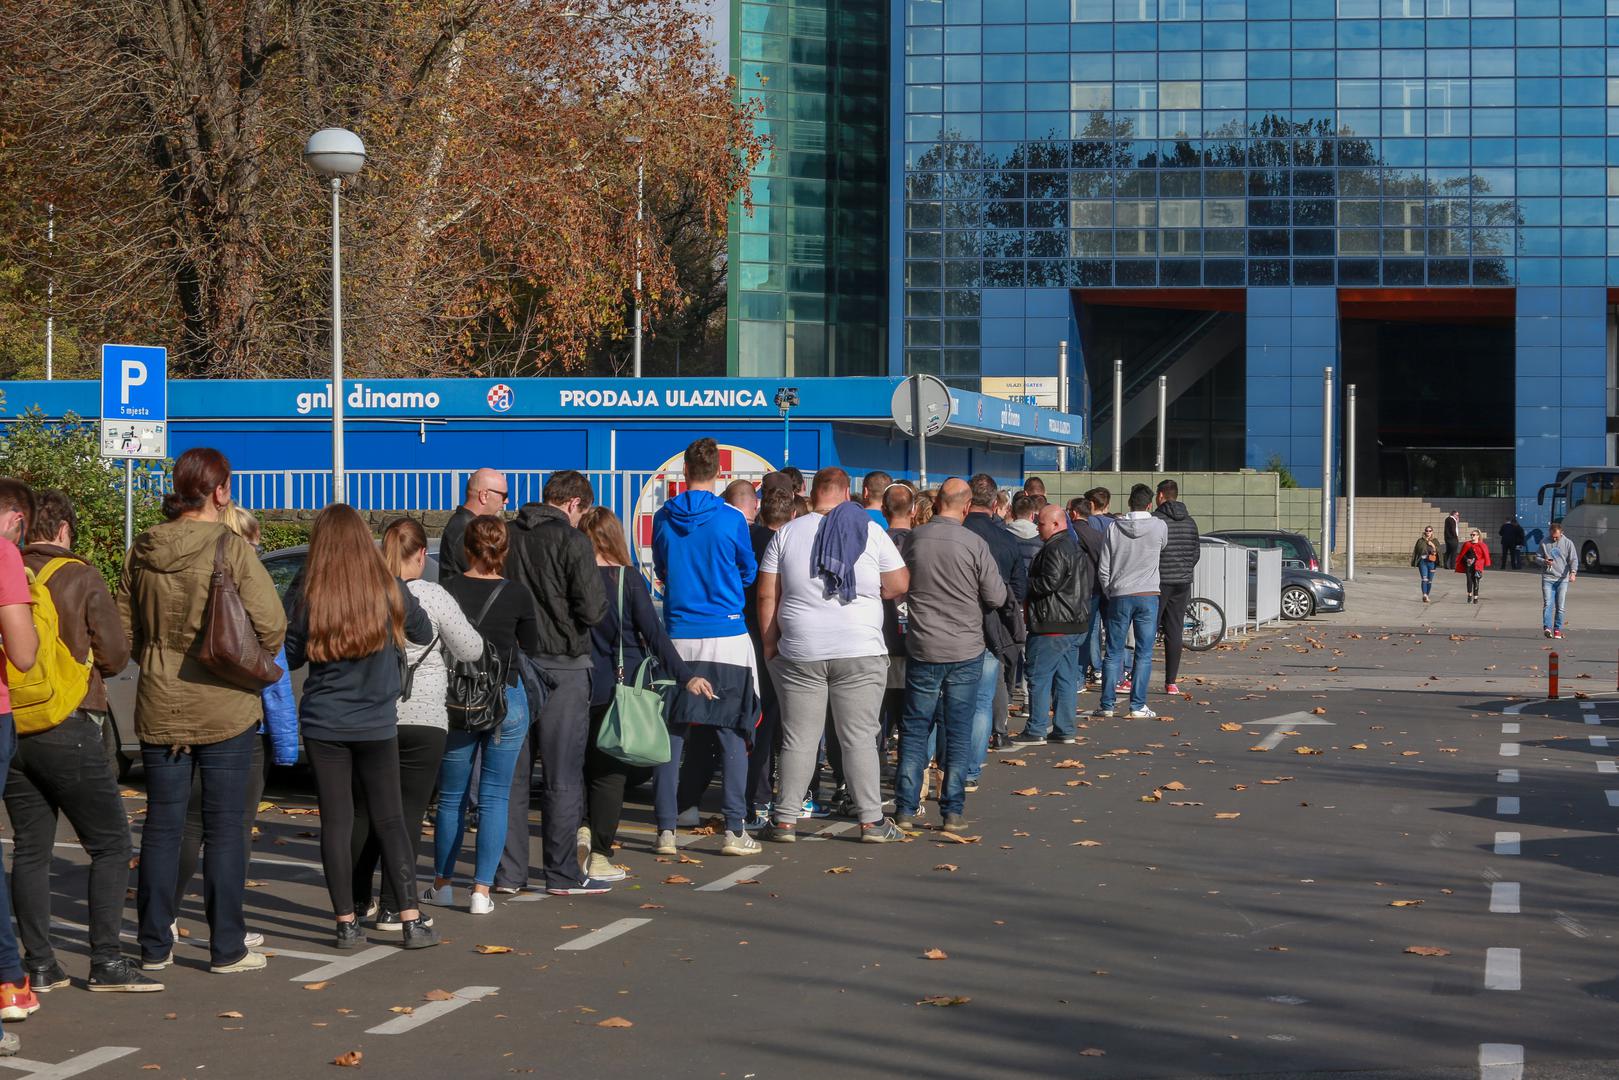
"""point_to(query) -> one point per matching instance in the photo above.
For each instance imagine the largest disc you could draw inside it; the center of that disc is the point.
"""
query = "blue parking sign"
(134, 401)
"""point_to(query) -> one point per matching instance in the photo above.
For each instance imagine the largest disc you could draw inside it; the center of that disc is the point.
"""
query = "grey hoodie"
(1129, 565)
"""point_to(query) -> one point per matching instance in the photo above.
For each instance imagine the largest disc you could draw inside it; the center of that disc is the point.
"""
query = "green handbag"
(634, 731)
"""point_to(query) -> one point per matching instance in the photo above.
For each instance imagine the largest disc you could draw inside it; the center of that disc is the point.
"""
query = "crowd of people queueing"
(796, 620)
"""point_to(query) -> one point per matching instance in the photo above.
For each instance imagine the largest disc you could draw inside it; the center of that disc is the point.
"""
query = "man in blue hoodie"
(703, 556)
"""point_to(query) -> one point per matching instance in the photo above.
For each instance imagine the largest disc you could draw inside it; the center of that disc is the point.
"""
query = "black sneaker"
(47, 977)
(120, 976)
(1062, 740)
(418, 934)
(779, 834)
(348, 934)
(388, 919)
(1025, 738)
(969, 786)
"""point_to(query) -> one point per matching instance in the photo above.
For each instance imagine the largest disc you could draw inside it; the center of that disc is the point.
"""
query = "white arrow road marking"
(90, 1059)
(423, 1014)
(1500, 1061)
(745, 874)
(1282, 723)
(334, 966)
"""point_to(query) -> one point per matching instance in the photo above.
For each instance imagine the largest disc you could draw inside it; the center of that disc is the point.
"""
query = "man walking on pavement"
(1003, 629)
(557, 564)
(1060, 584)
(486, 494)
(1129, 576)
(1453, 536)
(1511, 543)
(955, 582)
(822, 583)
(1175, 568)
(65, 769)
(1559, 563)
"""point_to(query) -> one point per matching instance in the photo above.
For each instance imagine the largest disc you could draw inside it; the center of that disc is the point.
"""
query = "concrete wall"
(1239, 500)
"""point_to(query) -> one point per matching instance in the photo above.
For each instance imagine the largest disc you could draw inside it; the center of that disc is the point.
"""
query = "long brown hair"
(606, 535)
(401, 540)
(351, 601)
(198, 473)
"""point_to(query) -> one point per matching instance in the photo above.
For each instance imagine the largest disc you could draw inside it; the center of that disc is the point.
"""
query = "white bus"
(1586, 502)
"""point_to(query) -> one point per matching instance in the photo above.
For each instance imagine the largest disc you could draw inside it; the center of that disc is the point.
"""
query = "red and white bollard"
(1551, 680)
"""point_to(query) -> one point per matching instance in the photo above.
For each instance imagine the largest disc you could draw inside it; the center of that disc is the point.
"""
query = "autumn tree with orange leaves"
(492, 230)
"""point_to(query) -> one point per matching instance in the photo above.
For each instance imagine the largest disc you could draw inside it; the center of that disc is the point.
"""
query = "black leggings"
(367, 770)
(1472, 581)
(191, 838)
(1172, 603)
(421, 749)
(606, 777)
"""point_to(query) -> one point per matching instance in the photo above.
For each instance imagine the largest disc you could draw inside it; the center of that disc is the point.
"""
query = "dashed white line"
(1508, 843)
(747, 873)
(1599, 740)
(1502, 970)
(423, 1014)
(1508, 804)
(1593, 719)
(606, 933)
(1613, 797)
(1588, 704)
(1504, 897)
(1500, 1061)
(1608, 766)
(1510, 729)
(335, 967)
(1506, 776)
(73, 1066)
(1509, 749)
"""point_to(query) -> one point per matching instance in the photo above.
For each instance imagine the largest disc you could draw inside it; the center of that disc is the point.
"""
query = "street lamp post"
(640, 215)
(334, 153)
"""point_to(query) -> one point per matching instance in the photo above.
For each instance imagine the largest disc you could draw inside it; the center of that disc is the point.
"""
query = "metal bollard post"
(1552, 678)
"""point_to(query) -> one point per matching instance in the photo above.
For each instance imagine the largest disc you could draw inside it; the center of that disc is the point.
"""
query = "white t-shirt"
(814, 627)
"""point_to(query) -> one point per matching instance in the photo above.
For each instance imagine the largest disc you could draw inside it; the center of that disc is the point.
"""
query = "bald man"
(486, 494)
(954, 580)
(1060, 582)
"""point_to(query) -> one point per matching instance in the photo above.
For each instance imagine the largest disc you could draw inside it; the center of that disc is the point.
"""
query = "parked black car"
(1306, 591)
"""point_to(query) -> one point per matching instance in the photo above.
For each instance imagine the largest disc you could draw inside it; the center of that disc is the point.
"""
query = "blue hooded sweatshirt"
(703, 555)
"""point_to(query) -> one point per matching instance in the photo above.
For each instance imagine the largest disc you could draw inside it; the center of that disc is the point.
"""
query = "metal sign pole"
(921, 432)
(1062, 398)
(1326, 470)
(129, 503)
(1349, 483)
(1118, 414)
(1163, 430)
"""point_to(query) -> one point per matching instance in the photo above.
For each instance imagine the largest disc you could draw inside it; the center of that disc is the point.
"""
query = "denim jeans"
(66, 771)
(675, 788)
(500, 752)
(1096, 635)
(1425, 570)
(989, 686)
(1125, 613)
(1053, 683)
(955, 685)
(223, 768)
(1555, 595)
(10, 962)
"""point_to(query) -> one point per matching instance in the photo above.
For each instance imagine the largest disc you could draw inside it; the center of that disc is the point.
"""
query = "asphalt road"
(1240, 924)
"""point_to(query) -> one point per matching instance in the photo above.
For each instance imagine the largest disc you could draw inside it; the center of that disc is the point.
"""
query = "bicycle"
(1205, 625)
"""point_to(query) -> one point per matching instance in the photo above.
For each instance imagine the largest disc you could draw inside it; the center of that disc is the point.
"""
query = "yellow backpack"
(47, 693)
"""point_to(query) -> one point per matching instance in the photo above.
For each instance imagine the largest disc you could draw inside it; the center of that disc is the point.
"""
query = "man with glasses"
(486, 494)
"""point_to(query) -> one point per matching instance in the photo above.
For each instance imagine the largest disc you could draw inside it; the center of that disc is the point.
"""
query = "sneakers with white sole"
(581, 841)
(740, 843)
(666, 843)
(439, 895)
(481, 903)
(601, 868)
(250, 961)
(1141, 714)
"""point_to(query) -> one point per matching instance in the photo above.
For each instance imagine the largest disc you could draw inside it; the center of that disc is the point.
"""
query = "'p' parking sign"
(134, 401)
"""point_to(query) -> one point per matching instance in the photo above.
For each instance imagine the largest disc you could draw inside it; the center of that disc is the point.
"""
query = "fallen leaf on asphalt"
(1079, 783)
(1240, 787)
(1091, 1051)
(171, 1016)
(1358, 746)
(1230, 727)
(1449, 750)
(151, 1068)
(1227, 814)
(1174, 785)
(1319, 710)
(1409, 753)
(1153, 796)
(748, 881)
(684, 859)
(1259, 749)
(677, 879)
(1426, 950)
(1013, 761)
(956, 838)
(1280, 948)
(943, 1000)
(404, 1010)
(348, 1060)
(1306, 750)
(839, 870)
(1270, 783)
(1334, 667)
(935, 954)
(569, 926)
(129, 793)
(1086, 843)
(491, 950)
(252, 884)
(231, 1015)
(1185, 804)
(438, 995)
(947, 867)
(1069, 763)
(315, 985)
(1448, 892)
(1405, 903)
(1027, 791)
(651, 907)
(615, 1022)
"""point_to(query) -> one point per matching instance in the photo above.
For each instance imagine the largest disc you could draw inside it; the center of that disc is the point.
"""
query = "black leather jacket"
(1061, 580)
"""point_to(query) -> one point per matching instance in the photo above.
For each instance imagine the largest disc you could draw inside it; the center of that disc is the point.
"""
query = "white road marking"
(1588, 704)
(73, 1066)
(1510, 729)
(1500, 1061)
(1593, 719)
(606, 933)
(721, 884)
(340, 965)
(837, 828)
(1599, 740)
(432, 1011)
(1613, 797)
(1502, 970)
(1508, 843)
(1508, 804)
(1504, 897)
(1280, 725)
(527, 896)
(1608, 766)
(1509, 749)
(1506, 776)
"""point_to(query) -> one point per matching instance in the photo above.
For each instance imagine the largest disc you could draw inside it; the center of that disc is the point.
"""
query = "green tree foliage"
(67, 455)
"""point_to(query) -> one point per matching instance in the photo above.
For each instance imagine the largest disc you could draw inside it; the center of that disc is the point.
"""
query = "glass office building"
(1238, 194)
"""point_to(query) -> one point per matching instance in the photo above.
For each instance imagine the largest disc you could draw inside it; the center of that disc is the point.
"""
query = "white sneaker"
(581, 840)
(481, 903)
(689, 818)
(441, 895)
(1104, 714)
(601, 868)
(666, 843)
(253, 939)
(740, 843)
(1142, 714)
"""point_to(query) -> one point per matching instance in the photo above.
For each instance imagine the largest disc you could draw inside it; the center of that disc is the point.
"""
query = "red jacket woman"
(1472, 560)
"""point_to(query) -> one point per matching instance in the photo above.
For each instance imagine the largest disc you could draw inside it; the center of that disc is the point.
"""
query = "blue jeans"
(989, 683)
(926, 685)
(1555, 594)
(224, 768)
(1124, 614)
(1053, 683)
(675, 787)
(1425, 569)
(1094, 636)
(10, 960)
(499, 761)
